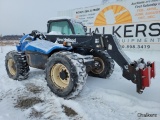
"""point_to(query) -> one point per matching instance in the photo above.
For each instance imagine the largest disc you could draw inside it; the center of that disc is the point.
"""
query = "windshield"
(60, 28)
(78, 28)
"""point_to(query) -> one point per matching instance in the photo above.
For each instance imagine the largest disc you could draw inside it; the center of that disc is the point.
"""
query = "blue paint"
(23, 42)
(29, 45)
(59, 47)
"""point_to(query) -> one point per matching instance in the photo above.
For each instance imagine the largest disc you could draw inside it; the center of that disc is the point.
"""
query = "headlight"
(96, 40)
(67, 44)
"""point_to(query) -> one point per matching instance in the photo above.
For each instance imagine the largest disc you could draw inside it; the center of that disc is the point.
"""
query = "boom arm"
(138, 71)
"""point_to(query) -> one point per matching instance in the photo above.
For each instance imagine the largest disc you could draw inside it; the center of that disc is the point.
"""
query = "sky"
(23, 16)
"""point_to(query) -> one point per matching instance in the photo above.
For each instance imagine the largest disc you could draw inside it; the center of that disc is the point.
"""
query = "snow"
(58, 18)
(43, 46)
(54, 33)
(112, 99)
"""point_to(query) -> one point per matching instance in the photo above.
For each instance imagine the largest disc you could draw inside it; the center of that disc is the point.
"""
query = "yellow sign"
(135, 23)
(114, 14)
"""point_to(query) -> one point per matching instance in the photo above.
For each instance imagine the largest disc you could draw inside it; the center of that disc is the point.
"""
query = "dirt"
(33, 88)
(25, 103)
(36, 114)
(69, 111)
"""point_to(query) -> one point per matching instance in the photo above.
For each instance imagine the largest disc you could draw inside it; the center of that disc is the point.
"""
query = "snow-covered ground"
(102, 99)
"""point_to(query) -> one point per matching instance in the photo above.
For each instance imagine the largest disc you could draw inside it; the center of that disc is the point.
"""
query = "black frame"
(61, 20)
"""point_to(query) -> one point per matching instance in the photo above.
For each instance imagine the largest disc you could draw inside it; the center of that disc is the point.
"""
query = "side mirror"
(47, 27)
(85, 28)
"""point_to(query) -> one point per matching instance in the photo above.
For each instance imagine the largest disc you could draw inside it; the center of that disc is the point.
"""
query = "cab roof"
(60, 18)
(64, 18)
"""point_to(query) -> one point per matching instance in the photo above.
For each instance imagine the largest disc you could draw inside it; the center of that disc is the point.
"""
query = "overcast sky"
(23, 16)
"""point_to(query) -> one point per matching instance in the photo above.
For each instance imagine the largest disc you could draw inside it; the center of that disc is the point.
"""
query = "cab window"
(60, 27)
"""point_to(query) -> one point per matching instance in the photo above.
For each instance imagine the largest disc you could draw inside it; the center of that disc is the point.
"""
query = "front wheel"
(65, 74)
(16, 65)
(103, 65)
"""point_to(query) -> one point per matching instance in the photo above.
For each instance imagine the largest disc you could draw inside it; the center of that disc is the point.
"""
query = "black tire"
(16, 65)
(75, 74)
(105, 65)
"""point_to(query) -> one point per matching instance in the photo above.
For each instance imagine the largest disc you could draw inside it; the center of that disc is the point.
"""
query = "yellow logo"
(114, 14)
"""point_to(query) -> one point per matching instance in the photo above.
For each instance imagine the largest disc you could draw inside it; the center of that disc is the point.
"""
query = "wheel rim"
(60, 75)
(11, 67)
(99, 66)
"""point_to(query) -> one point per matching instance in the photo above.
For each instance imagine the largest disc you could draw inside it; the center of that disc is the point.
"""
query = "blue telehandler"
(68, 55)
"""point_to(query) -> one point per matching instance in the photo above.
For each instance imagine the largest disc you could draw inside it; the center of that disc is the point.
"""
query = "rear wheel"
(65, 74)
(104, 65)
(16, 65)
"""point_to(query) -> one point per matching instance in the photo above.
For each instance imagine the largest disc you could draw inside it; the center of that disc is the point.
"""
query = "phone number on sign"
(137, 46)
